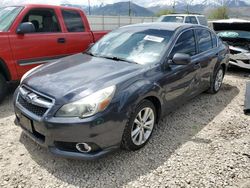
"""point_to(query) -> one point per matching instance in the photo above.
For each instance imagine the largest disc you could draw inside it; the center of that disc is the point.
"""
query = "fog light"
(83, 147)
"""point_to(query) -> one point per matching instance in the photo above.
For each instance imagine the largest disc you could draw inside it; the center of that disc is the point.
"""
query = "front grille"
(34, 102)
(37, 110)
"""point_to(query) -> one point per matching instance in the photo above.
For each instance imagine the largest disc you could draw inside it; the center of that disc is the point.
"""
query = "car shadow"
(122, 167)
(6, 107)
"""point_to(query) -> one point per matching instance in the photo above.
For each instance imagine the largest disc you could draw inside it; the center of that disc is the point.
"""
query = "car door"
(78, 36)
(207, 55)
(44, 45)
(180, 82)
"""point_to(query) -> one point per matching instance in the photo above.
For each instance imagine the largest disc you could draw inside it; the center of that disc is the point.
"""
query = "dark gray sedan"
(88, 104)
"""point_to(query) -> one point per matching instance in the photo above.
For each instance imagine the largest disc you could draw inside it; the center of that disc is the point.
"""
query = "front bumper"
(241, 60)
(104, 131)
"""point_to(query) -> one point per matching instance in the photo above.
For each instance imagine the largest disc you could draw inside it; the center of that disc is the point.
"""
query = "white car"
(184, 18)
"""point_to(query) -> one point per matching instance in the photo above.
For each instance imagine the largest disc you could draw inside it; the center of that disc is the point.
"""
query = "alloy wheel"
(218, 80)
(143, 126)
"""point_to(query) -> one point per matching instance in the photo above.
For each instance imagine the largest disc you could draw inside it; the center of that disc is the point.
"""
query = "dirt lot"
(205, 143)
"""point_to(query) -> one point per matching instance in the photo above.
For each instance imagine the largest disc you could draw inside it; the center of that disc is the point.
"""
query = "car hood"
(79, 75)
(224, 26)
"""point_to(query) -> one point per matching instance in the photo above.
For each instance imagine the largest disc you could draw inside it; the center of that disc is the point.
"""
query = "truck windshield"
(7, 16)
(142, 46)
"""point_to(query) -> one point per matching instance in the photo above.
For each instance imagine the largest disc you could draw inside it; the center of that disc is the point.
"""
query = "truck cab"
(31, 35)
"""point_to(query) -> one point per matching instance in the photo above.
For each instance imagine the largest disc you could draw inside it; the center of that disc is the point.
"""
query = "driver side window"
(44, 20)
(185, 44)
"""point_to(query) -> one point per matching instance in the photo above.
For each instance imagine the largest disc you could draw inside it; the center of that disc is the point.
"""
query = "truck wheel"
(217, 81)
(3, 88)
(139, 127)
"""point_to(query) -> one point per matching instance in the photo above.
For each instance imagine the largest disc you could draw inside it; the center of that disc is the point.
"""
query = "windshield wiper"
(89, 53)
(117, 59)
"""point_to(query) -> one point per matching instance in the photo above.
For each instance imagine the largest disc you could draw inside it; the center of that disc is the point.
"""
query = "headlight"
(89, 105)
(30, 71)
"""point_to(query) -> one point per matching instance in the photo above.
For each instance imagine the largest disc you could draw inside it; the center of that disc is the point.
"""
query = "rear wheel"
(139, 127)
(217, 81)
(3, 88)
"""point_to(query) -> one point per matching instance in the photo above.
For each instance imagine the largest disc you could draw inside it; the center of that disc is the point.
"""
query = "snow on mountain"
(198, 2)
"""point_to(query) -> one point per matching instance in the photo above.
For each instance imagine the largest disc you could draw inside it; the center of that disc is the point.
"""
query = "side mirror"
(181, 59)
(26, 27)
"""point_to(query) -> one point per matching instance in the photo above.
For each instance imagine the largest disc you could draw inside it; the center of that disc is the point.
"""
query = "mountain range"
(238, 8)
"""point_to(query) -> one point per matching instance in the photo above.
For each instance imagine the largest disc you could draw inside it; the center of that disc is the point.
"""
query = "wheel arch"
(223, 65)
(157, 104)
(139, 91)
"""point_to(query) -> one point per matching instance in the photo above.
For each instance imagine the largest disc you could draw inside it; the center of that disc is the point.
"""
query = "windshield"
(142, 46)
(176, 19)
(234, 34)
(7, 16)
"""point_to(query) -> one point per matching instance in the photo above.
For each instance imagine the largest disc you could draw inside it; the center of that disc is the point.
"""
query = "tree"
(219, 13)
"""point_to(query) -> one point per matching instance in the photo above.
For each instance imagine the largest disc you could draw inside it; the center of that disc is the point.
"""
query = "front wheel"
(139, 127)
(217, 81)
(3, 88)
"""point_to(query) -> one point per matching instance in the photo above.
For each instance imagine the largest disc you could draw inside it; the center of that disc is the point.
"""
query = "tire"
(3, 88)
(142, 130)
(217, 81)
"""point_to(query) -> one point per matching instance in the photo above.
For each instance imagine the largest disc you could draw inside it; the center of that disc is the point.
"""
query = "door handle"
(61, 40)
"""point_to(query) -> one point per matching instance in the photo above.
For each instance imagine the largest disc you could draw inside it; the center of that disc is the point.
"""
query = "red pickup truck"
(34, 34)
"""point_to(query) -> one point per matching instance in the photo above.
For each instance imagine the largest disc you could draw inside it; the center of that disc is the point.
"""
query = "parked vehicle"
(184, 18)
(236, 33)
(89, 104)
(34, 34)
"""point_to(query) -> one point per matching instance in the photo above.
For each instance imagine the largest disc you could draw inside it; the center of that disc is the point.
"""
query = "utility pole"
(174, 6)
(89, 7)
(129, 8)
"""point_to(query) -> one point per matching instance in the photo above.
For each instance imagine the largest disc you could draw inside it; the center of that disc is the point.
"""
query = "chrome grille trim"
(35, 99)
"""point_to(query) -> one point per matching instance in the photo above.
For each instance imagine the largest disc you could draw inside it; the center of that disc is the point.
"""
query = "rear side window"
(193, 20)
(204, 40)
(202, 20)
(44, 20)
(188, 19)
(185, 44)
(73, 21)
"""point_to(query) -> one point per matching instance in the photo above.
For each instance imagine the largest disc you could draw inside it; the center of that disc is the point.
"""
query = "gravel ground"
(205, 143)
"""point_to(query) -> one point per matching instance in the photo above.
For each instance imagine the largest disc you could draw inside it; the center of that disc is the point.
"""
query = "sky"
(57, 2)
(145, 3)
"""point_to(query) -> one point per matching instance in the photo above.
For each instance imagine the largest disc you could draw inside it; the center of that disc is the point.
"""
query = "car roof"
(164, 26)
